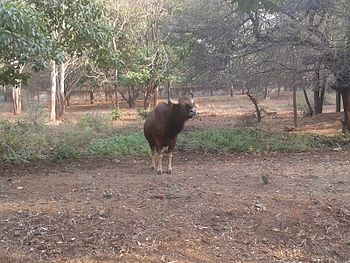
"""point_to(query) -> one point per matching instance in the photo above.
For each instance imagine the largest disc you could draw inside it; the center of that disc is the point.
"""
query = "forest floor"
(213, 208)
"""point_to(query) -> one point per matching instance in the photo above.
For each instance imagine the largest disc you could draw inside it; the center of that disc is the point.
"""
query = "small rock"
(102, 212)
(20, 187)
(107, 194)
(17, 233)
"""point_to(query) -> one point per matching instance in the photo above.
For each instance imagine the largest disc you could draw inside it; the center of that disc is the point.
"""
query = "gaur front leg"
(170, 154)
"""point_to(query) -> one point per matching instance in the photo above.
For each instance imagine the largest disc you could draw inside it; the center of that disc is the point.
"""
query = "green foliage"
(93, 123)
(142, 113)
(116, 114)
(22, 141)
(66, 151)
(251, 140)
(24, 39)
(131, 144)
(35, 113)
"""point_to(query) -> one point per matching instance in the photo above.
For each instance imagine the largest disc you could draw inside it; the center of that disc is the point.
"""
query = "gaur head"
(185, 106)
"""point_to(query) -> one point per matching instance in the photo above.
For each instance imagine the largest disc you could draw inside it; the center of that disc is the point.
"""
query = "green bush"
(23, 141)
(93, 123)
(116, 114)
(119, 145)
(142, 113)
(35, 113)
(249, 139)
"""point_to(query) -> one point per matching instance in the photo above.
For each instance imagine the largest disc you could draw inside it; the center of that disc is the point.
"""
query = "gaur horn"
(169, 99)
(192, 97)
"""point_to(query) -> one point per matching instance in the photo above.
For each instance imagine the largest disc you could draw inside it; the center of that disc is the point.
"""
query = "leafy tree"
(77, 28)
(24, 41)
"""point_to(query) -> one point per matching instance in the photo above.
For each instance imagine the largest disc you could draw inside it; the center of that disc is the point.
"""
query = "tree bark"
(308, 102)
(319, 93)
(337, 101)
(345, 92)
(16, 100)
(146, 100)
(115, 91)
(61, 105)
(265, 93)
(17, 94)
(53, 77)
(295, 107)
(257, 110)
(91, 96)
(155, 97)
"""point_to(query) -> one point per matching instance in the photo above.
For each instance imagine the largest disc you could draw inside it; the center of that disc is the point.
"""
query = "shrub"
(92, 122)
(142, 113)
(116, 114)
(119, 145)
(35, 113)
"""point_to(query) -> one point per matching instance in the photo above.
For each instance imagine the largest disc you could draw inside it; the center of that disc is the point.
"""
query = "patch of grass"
(94, 123)
(119, 145)
(142, 113)
(92, 136)
(247, 139)
(116, 114)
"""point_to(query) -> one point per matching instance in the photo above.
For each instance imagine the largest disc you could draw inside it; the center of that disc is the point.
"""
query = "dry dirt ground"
(213, 208)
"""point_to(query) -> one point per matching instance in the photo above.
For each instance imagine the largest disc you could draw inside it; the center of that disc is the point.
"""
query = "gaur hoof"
(153, 168)
(159, 172)
(168, 172)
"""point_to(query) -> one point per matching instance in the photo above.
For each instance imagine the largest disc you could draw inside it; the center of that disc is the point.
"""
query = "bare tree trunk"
(16, 99)
(106, 95)
(278, 91)
(308, 102)
(116, 99)
(53, 77)
(146, 100)
(337, 101)
(155, 97)
(17, 94)
(257, 110)
(295, 107)
(265, 93)
(60, 106)
(115, 91)
(345, 92)
(231, 91)
(91, 96)
(319, 93)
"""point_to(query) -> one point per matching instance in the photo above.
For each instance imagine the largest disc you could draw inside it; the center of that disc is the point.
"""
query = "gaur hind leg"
(170, 155)
(153, 149)
(159, 158)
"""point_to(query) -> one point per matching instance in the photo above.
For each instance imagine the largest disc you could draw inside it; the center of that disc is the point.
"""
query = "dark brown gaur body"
(162, 126)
